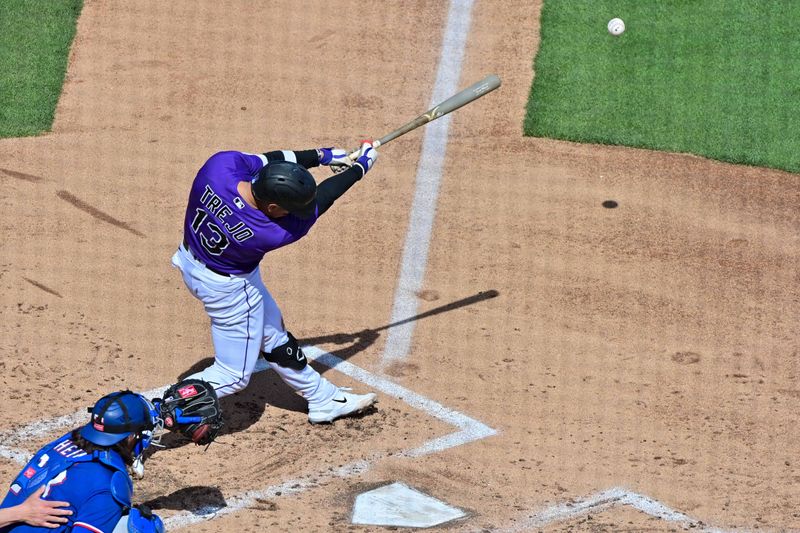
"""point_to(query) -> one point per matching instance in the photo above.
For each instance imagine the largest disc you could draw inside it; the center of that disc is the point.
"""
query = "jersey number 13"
(211, 237)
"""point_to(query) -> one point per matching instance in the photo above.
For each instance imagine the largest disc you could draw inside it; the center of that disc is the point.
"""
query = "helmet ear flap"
(261, 203)
(143, 441)
(138, 448)
(151, 433)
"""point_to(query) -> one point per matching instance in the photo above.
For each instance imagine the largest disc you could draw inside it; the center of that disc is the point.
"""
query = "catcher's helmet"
(287, 184)
(118, 415)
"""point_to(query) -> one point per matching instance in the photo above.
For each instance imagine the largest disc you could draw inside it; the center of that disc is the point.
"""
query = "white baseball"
(616, 26)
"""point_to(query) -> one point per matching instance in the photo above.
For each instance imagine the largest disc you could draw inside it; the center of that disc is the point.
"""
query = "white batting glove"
(366, 156)
(337, 158)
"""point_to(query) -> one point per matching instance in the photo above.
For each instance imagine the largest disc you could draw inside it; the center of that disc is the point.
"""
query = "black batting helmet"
(287, 184)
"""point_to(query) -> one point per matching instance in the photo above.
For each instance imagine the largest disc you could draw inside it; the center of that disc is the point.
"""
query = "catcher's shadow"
(197, 500)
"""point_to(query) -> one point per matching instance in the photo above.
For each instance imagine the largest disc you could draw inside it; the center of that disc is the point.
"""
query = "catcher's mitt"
(191, 407)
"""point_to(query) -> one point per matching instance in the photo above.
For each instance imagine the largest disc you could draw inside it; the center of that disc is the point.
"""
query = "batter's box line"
(469, 430)
(601, 501)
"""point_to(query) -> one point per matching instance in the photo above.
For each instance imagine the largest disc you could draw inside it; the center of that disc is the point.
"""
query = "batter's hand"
(337, 158)
(366, 156)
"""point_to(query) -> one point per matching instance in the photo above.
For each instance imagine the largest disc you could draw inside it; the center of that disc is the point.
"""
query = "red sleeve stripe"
(86, 526)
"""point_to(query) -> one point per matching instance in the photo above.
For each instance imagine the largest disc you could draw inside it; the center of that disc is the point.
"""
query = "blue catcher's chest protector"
(55, 459)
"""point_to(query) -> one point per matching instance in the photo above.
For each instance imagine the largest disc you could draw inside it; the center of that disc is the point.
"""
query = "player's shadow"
(197, 500)
(245, 408)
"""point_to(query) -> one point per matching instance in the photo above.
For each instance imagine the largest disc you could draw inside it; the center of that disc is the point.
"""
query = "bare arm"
(36, 512)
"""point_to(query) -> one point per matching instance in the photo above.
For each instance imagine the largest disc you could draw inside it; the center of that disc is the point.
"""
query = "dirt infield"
(651, 347)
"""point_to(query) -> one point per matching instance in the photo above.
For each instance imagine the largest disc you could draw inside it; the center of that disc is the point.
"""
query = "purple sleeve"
(235, 163)
(298, 229)
(252, 163)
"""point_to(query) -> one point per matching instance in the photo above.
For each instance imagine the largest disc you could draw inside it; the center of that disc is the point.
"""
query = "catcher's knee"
(287, 355)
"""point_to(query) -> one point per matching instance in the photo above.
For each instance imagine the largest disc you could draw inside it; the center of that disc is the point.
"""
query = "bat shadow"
(361, 340)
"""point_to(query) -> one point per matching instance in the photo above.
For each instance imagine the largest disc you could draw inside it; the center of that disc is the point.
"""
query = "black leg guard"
(287, 355)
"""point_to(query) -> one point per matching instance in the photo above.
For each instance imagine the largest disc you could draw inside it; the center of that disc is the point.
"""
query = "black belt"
(186, 247)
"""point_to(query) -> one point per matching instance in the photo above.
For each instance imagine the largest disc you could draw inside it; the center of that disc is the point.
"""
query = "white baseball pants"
(244, 321)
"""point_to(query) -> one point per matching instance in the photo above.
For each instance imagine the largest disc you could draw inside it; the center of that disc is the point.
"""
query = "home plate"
(400, 505)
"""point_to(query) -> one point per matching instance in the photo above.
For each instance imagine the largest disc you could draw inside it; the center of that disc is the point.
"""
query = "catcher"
(86, 471)
(189, 408)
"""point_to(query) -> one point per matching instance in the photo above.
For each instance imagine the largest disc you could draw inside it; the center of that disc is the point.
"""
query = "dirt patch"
(686, 358)
(652, 345)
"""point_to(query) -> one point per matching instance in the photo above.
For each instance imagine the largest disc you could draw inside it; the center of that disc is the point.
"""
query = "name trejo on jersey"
(220, 210)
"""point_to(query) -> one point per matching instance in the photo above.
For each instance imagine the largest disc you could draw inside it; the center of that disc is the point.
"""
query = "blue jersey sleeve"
(99, 514)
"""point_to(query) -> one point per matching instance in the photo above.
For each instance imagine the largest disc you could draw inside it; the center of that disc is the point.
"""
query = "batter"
(242, 206)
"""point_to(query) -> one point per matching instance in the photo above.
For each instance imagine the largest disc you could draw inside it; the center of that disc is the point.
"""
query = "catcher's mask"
(287, 184)
(118, 415)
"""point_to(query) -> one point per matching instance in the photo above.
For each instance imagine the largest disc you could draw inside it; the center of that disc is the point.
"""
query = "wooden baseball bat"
(460, 99)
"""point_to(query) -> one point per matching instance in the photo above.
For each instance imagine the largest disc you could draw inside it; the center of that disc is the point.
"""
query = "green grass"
(717, 78)
(35, 36)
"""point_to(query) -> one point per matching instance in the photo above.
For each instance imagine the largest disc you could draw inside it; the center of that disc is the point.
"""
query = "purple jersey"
(225, 232)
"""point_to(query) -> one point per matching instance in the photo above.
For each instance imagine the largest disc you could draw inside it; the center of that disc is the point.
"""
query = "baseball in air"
(616, 26)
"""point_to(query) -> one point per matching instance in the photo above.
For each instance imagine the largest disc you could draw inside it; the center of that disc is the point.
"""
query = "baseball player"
(242, 206)
(86, 471)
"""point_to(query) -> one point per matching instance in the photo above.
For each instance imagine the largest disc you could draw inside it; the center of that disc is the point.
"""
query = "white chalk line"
(40, 428)
(18, 456)
(601, 501)
(429, 175)
(565, 511)
(253, 498)
(469, 430)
